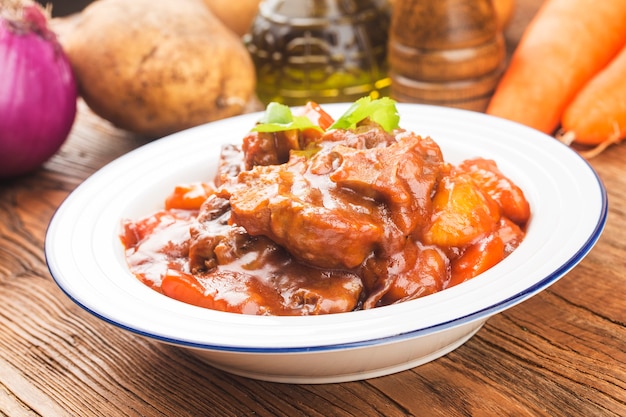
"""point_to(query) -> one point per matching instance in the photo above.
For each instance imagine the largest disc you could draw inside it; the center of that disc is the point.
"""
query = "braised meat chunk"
(306, 214)
(402, 175)
(269, 148)
(362, 200)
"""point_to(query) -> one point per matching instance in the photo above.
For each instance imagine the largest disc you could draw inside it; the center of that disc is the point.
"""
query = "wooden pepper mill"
(445, 52)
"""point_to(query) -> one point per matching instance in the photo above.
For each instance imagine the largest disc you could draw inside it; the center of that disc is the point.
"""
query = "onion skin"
(38, 93)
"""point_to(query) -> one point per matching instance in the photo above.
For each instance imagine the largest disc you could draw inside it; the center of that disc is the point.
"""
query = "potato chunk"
(463, 212)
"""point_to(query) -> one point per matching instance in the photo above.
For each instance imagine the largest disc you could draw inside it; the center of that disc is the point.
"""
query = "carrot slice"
(510, 197)
(188, 196)
(184, 287)
(597, 115)
(563, 47)
(476, 259)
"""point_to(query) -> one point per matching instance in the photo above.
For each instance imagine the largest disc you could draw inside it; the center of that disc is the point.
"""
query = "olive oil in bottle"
(320, 50)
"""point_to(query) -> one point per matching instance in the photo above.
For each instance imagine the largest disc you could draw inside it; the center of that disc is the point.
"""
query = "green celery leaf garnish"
(382, 111)
(278, 117)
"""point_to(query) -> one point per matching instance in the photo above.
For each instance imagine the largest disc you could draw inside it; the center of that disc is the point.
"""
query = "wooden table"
(560, 353)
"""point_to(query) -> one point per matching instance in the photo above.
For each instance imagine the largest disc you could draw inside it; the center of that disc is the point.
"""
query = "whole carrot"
(564, 46)
(597, 115)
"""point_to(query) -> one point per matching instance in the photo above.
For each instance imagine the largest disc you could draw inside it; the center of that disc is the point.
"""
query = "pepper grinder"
(445, 52)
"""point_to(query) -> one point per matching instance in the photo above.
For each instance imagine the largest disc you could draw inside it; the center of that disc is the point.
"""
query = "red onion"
(38, 90)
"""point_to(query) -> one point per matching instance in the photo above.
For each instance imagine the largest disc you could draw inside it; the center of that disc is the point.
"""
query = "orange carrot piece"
(563, 47)
(184, 287)
(597, 115)
(188, 196)
(510, 197)
(477, 259)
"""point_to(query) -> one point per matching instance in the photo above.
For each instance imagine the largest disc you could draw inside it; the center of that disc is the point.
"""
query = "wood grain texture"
(560, 353)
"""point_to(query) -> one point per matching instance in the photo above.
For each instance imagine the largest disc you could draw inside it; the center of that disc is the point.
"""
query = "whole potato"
(157, 67)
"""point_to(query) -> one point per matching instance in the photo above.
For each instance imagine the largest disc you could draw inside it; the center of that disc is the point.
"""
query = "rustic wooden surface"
(560, 353)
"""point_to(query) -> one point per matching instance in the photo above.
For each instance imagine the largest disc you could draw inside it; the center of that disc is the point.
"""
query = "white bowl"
(86, 258)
